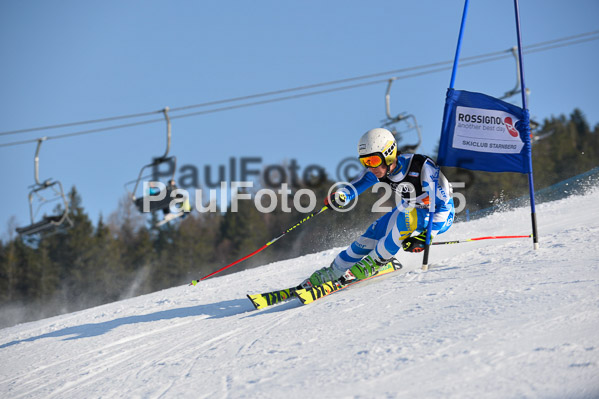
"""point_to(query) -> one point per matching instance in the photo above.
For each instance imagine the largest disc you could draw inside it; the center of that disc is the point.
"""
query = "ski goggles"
(371, 161)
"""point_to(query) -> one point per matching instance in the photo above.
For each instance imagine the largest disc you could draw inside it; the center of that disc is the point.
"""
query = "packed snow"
(490, 319)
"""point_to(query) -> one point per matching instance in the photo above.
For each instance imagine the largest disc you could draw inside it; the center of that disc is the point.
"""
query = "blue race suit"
(411, 180)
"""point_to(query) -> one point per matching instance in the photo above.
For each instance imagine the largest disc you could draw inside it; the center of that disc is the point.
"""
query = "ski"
(261, 301)
(310, 295)
(168, 217)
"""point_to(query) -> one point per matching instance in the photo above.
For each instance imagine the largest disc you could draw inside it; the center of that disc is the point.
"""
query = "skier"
(181, 209)
(409, 175)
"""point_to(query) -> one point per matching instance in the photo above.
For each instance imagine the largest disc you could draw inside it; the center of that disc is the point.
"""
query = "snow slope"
(492, 319)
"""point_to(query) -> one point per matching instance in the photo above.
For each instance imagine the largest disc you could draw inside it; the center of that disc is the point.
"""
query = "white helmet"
(378, 141)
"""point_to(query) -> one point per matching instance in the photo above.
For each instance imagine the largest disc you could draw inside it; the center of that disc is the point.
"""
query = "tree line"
(123, 256)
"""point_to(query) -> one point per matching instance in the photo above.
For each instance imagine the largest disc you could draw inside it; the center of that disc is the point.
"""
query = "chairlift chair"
(409, 121)
(517, 88)
(155, 205)
(163, 204)
(534, 125)
(46, 224)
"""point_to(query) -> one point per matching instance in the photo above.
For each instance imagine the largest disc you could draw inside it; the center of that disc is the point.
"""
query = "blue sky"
(69, 61)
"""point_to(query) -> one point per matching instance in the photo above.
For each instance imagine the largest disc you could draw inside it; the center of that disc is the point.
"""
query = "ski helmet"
(377, 142)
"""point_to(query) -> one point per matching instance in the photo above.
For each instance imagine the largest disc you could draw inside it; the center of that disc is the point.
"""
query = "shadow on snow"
(213, 311)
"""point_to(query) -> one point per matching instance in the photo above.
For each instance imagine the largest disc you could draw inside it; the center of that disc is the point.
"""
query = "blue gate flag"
(481, 132)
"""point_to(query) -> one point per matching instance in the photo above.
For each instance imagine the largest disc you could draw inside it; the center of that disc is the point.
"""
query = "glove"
(336, 200)
(415, 244)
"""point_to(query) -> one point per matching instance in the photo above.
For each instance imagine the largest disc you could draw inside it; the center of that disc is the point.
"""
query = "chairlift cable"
(305, 87)
(242, 98)
(71, 124)
(472, 60)
(595, 32)
(83, 132)
(529, 51)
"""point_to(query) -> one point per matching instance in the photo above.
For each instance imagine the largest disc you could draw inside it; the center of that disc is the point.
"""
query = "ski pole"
(194, 282)
(478, 239)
